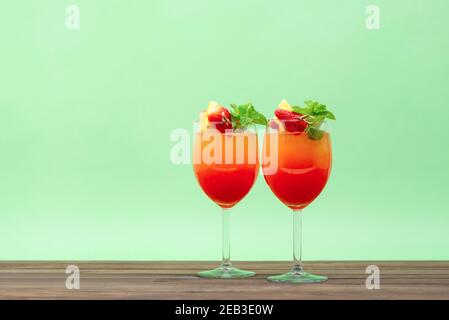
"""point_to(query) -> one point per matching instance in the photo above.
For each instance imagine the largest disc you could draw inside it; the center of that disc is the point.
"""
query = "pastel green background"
(85, 119)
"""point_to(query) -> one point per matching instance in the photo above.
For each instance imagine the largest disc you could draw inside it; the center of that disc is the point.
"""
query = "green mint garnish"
(314, 133)
(246, 115)
(315, 113)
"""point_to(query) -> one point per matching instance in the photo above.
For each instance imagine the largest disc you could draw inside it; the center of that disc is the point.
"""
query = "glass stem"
(226, 254)
(297, 242)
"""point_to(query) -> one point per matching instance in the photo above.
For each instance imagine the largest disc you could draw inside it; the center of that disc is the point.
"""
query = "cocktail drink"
(226, 164)
(299, 143)
(303, 167)
(226, 181)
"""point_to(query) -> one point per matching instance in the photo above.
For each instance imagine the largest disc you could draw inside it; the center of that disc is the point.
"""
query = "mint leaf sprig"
(314, 113)
(245, 115)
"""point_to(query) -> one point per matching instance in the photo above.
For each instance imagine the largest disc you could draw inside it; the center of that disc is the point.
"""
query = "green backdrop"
(85, 119)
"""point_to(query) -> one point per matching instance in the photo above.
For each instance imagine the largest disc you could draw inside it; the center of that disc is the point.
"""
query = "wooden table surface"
(177, 280)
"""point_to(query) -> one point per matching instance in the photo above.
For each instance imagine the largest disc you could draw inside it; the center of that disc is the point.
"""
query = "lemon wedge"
(212, 106)
(204, 122)
(284, 105)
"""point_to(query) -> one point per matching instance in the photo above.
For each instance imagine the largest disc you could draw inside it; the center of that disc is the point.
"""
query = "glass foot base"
(297, 277)
(226, 273)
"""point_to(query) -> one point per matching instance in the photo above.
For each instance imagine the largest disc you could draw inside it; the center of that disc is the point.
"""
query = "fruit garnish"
(218, 117)
(274, 124)
(240, 117)
(285, 106)
(315, 114)
(246, 115)
(204, 122)
(297, 119)
(293, 122)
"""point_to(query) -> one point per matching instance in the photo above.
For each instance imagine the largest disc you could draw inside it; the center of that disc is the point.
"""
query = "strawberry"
(273, 124)
(219, 117)
(293, 122)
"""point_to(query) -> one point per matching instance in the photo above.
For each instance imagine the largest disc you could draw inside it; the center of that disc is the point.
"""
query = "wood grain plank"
(178, 280)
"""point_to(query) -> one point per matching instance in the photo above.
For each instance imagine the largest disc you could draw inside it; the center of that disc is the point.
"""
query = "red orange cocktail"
(299, 145)
(226, 165)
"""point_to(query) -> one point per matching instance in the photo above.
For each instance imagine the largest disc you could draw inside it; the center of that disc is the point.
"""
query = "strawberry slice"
(274, 124)
(219, 117)
(293, 122)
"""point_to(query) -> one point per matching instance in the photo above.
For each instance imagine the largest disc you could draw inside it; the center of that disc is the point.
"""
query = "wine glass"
(296, 167)
(226, 166)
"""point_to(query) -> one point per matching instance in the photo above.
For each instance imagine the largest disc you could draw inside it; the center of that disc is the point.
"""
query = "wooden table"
(177, 280)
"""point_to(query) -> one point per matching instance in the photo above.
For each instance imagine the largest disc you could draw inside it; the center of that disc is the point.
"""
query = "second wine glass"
(296, 167)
